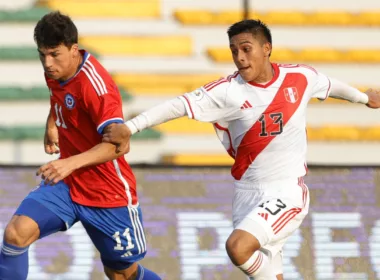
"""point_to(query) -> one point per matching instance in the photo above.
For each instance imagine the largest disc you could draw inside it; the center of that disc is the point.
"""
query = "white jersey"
(263, 127)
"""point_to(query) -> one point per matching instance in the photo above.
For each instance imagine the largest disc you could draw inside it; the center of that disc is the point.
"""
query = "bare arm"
(57, 170)
(99, 154)
(51, 136)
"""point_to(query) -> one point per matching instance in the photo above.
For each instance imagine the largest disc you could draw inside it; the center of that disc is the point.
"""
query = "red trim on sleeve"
(188, 103)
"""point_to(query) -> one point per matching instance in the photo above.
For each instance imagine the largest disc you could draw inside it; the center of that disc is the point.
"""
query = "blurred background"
(158, 49)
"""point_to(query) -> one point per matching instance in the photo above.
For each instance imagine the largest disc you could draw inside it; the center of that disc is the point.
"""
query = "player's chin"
(247, 75)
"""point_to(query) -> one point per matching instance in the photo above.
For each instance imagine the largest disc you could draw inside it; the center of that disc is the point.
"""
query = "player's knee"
(21, 232)
(240, 247)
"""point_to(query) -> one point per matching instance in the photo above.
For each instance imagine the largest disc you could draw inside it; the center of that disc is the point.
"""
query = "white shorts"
(270, 211)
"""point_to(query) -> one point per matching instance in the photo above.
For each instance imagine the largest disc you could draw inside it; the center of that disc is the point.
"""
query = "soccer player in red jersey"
(90, 182)
(259, 115)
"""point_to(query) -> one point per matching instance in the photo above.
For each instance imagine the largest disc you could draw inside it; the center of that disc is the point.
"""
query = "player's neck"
(75, 68)
(266, 75)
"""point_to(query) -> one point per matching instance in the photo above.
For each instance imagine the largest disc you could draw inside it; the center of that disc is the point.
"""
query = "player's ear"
(74, 49)
(267, 49)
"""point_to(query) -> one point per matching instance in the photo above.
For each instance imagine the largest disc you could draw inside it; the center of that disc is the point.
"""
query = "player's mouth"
(244, 68)
(50, 72)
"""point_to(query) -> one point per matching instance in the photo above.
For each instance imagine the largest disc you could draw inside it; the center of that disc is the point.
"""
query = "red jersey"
(82, 107)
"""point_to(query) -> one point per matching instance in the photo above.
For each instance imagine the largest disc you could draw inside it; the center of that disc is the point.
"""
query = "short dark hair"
(256, 27)
(54, 29)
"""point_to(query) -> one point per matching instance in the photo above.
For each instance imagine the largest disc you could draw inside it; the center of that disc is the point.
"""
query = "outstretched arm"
(119, 134)
(340, 90)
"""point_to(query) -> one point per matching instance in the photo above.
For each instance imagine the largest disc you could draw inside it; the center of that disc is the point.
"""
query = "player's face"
(59, 63)
(250, 55)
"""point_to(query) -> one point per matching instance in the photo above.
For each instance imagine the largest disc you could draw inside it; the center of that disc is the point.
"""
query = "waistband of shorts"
(268, 184)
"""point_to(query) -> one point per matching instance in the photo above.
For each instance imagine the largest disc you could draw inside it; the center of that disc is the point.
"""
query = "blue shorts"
(117, 233)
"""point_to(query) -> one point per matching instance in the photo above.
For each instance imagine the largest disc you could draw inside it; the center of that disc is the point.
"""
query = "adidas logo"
(246, 105)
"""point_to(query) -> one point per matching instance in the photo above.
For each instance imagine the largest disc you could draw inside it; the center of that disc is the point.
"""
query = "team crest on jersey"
(291, 94)
(69, 101)
(198, 94)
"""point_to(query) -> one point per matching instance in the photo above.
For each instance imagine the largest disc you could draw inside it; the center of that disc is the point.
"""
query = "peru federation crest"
(291, 94)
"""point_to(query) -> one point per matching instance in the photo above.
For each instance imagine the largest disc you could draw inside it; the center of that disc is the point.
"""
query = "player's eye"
(54, 54)
(246, 49)
(234, 52)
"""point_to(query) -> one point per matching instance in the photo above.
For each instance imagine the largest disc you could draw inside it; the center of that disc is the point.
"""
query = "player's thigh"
(273, 221)
(117, 233)
(49, 208)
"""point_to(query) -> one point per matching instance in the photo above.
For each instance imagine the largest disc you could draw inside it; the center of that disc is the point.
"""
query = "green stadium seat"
(36, 94)
(27, 15)
(18, 53)
(27, 133)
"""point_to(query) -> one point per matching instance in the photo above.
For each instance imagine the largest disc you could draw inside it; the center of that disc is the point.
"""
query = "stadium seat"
(194, 17)
(371, 18)
(315, 55)
(26, 133)
(280, 17)
(107, 9)
(366, 56)
(284, 18)
(28, 15)
(185, 126)
(37, 93)
(319, 55)
(330, 18)
(18, 53)
(139, 45)
(198, 159)
(162, 84)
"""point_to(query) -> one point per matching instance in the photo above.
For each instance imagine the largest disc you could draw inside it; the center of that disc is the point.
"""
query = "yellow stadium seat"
(275, 17)
(139, 45)
(319, 55)
(220, 54)
(162, 84)
(223, 55)
(371, 134)
(367, 56)
(368, 18)
(198, 159)
(283, 55)
(230, 17)
(185, 126)
(285, 18)
(330, 18)
(106, 9)
(194, 17)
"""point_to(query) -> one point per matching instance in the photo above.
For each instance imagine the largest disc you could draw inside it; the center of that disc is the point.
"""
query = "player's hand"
(56, 170)
(119, 135)
(51, 141)
(373, 98)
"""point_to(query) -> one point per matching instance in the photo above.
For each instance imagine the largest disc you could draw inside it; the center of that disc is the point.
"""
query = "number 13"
(277, 119)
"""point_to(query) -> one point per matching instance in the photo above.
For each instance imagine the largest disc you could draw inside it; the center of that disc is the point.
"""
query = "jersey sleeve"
(103, 102)
(321, 85)
(210, 104)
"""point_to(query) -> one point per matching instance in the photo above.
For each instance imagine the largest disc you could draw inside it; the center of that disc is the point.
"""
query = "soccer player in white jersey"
(259, 114)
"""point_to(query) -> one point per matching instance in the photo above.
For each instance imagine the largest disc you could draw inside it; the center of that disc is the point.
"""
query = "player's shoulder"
(298, 68)
(93, 75)
(222, 84)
